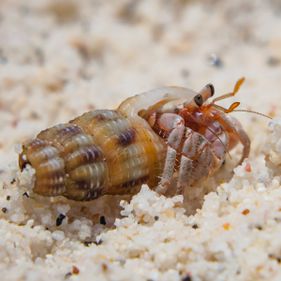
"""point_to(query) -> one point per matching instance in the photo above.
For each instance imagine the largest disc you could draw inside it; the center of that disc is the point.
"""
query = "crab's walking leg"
(174, 142)
(186, 167)
(196, 160)
(243, 138)
(236, 133)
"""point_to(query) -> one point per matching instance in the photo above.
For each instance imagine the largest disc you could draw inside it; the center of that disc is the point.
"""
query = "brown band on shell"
(28, 150)
(96, 116)
(135, 182)
(82, 156)
(78, 192)
(48, 165)
(127, 137)
(60, 133)
(91, 194)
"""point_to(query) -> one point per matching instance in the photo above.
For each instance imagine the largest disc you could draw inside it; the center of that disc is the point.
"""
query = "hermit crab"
(169, 135)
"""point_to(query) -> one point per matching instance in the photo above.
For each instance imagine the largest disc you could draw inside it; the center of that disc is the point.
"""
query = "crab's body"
(161, 135)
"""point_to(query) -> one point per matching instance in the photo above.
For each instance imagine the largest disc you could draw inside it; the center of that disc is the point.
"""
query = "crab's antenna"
(233, 93)
(235, 105)
(251, 111)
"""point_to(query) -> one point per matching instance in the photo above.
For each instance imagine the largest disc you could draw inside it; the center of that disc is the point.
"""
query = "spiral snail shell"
(100, 152)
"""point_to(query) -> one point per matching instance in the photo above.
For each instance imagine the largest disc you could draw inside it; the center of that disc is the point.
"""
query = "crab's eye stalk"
(212, 89)
(198, 99)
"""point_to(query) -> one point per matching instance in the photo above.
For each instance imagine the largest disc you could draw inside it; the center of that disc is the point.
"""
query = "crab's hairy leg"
(174, 141)
(168, 171)
(196, 160)
(186, 166)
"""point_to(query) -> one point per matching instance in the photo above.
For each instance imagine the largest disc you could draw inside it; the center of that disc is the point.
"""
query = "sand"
(59, 59)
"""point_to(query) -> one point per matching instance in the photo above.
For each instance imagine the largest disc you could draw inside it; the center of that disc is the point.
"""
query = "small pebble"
(25, 194)
(273, 61)
(87, 243)
(67, 275)
(98, 242)
(215, 60)
(187, 278)
(75, 270)
(245, 212)
(102, 220)
(248, 168)
(226, 226)
(60, 219)
(259, 227)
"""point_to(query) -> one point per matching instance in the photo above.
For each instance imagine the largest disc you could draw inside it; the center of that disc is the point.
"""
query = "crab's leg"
(174, 141)
(196, 160)
(236, 133)
(243, 138)
(186, 166)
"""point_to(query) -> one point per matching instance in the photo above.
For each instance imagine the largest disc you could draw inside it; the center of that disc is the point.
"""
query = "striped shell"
(101, 152)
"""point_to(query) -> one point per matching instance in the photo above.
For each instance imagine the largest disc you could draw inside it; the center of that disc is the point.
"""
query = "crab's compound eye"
(198, 100)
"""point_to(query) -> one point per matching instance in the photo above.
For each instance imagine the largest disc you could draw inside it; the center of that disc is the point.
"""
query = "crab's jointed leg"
(236, 134)
(196, 160)
(174, 141)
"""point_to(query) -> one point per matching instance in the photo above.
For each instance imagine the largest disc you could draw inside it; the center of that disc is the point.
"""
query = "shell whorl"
(100, 152)
(67, 162)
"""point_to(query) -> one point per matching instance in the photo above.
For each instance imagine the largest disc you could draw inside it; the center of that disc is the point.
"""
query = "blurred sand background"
(60, 58)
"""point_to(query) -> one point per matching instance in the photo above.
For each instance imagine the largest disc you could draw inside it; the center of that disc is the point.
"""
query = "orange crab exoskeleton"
(166, 133)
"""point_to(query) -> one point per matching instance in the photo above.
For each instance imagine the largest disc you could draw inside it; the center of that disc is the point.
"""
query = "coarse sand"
(60, 58)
